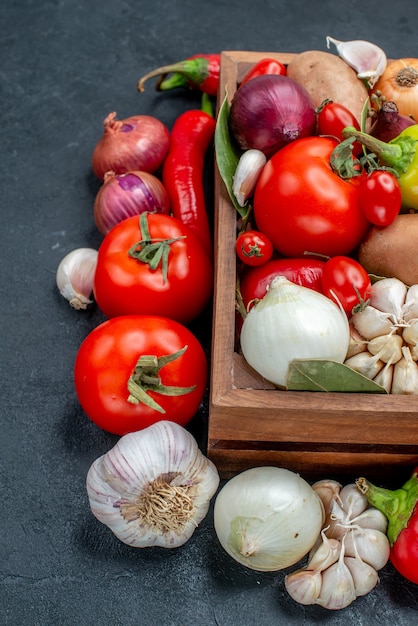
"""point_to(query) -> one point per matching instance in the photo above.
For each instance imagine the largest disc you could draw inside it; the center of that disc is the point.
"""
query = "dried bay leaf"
(323, 375)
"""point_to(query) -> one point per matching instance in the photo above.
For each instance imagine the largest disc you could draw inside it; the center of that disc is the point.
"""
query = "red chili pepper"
(265, 66)
(200, 71)
(401, 508)
(183, 169)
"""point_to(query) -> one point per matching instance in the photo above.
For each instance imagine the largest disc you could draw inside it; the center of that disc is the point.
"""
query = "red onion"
(389, 122)
(124, 195)
(269, 112)
(139, 142)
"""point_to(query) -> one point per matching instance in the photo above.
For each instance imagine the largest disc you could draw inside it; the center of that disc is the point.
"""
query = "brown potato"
(393, 251)
(327, 76)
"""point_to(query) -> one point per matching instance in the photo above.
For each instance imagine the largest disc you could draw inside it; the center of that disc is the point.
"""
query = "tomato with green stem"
(153, 265)
(380, 197)
(134, 370)
(303, 202)
(253, 248)
(345, 281)
(332, 118)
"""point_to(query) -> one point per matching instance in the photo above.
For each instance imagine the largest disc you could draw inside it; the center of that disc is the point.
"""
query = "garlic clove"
(388, 348)
(357, 342)
(365, 363)
(75, 275)
(410, 306)
(352, 501)
(304, 586)
(325, 554)
(246, 174)
(364, 575)
(153, 488)
(328, 491)
(389, 295)
(368, 544)
(371, 322)
(410, 333)
(384, 378)
(405, 375)
(371, 518)
(366, 58)
(337, 590)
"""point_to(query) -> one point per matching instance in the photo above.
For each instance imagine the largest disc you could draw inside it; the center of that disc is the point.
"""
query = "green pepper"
(400, 155)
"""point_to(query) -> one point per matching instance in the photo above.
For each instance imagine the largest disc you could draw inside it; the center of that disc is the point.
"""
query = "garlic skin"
(248, 170)
(367, 59)
(154, 487)
(75, 275)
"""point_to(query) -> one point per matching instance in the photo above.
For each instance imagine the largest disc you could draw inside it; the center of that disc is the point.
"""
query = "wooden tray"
(250, 422)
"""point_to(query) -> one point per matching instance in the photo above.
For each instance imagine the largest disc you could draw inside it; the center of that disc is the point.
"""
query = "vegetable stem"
(398, 154)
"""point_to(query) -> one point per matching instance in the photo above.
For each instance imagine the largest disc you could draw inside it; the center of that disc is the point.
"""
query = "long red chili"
(183, 171)
(401, 508)
(199, 71)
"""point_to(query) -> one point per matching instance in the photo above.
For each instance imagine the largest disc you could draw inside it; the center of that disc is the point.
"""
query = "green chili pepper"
(399, 154)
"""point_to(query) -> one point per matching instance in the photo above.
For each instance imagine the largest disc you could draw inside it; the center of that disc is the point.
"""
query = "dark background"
(64, 66)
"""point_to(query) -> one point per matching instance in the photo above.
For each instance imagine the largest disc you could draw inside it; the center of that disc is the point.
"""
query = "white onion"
(268, 518)
(292, 322)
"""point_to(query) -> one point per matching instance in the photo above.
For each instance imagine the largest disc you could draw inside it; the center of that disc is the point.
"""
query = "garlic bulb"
(292, 322)
(366, 58)
(249, 167)
(75, 276)
(388, 328)
(153, 487)
(352, 548)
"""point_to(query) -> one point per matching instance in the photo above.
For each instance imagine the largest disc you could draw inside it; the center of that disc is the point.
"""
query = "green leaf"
(323, 375)
(226, 153)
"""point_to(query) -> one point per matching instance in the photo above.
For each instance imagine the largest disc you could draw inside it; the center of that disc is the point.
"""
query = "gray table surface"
(65, 66)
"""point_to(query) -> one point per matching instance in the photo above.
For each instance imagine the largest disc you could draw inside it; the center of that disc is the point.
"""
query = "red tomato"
(304, 206)
(253, 248)
(305, 272)
(345, 281)
(108, 356)
(332, 118)
(380, 197)
(125, 285)
(264, 66)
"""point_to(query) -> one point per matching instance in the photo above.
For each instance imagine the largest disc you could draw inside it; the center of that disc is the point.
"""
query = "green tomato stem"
(398, 153)
(398, 505)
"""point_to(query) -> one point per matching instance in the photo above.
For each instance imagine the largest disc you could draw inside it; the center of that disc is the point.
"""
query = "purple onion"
(389, 122)
(269, 112)
(124, 195)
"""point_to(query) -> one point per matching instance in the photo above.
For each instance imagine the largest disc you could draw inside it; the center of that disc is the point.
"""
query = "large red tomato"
(304, 206)
(154, 265)
(109, 359)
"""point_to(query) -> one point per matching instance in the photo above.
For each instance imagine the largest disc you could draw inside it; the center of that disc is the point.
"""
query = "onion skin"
(389, 122)
(124, 195)
(399, 83)
(269, 112)
(139, 142)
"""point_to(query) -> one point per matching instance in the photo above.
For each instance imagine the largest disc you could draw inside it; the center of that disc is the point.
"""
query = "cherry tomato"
(253, 248)
(332, 118)
(264, 66)
(108, 357)
(380, 197)
(345, 281)
(303, 206)
(126, 282)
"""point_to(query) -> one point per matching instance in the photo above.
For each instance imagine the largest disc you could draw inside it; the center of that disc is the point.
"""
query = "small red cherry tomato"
(345, 281)
(380, 197)
(332, 118)
(253, 248)
(264, 66)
